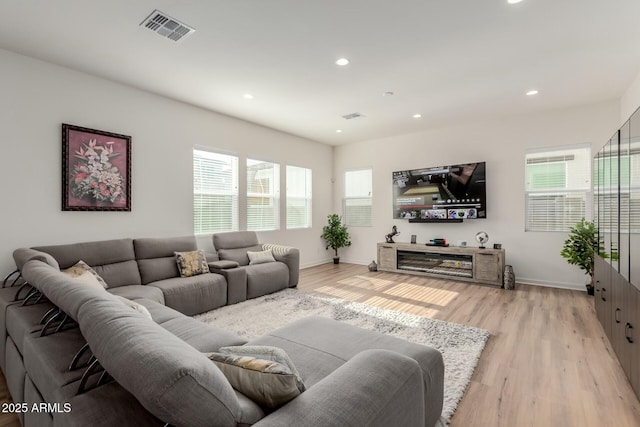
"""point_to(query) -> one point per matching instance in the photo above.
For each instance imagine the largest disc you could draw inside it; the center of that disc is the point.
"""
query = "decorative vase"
(373, 266)
(509, 277)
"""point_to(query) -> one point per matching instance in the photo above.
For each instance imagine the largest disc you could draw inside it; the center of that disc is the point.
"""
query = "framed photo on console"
(96, 170)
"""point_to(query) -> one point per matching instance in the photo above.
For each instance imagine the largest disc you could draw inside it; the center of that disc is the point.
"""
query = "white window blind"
(557, 188)
(358, 190)
(298, 197)
(263, 195)
(215, 192)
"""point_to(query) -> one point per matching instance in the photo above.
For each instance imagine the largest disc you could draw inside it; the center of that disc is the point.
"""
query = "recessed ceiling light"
(532, 92)
(417, 116)
(342, 62)
(338, 130)
(513, 1)
(247, 96)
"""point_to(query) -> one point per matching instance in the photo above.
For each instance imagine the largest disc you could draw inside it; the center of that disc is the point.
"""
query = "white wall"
(37, 97)
(630, 100)
(502, 144)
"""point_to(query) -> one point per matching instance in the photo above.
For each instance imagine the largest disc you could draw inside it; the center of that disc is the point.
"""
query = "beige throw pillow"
(191, 263)
(260, 257)
(81, 272)
(269, 384)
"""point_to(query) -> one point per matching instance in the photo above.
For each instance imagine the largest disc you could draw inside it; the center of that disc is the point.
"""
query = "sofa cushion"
(156, 259)
(32, 397)
(107, 405)
(266, 278)
(47, 360)
(319, 345)
(15, 371)
(135, 292)
(191, 263)
(99, 254)
(235, 240)
(193, 295)
(170, 378)
(270, 384)
(260, 257)
(123, 273)
(204, 338)
(80, 272)
(238, 255)
(24, 320)
(160, 313)
(233, 246)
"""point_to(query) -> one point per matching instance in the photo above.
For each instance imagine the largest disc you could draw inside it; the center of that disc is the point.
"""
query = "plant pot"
(336, 260)
(589, 289)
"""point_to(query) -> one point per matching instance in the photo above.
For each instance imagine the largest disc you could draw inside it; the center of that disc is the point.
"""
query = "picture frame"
(96, 170)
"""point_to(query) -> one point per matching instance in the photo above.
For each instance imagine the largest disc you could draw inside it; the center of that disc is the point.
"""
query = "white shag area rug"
(460, 345)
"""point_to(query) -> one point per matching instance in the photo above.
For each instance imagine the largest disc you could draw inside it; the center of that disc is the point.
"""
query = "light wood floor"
(547, 363)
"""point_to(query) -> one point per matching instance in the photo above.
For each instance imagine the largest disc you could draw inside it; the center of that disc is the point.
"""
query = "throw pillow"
(81, 272)
(266, 352)
(191, 263)
(260, 257)
(268, 383)
(136, 306)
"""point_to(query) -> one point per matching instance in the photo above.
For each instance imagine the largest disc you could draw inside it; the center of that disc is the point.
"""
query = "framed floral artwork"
(96, 170)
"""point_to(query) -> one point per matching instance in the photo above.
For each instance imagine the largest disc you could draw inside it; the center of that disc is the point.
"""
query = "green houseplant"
(336, 235)
(580, 248)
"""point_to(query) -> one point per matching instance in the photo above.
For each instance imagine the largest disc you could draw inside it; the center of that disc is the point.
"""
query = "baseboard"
(559, 285)
(315, 263)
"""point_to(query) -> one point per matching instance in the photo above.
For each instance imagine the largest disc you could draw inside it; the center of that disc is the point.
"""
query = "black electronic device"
(442, 193)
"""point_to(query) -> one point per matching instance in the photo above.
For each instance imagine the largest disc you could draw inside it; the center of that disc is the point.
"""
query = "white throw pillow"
(260, 257)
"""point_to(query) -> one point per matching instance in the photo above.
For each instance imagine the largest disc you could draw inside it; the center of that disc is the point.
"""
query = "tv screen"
(440, 193)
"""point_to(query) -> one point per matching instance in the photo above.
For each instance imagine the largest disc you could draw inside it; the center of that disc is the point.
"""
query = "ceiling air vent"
(353, 116)
(166, 26)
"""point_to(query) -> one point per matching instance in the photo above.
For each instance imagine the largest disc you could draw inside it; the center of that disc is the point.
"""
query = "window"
(298, 197)
(556, 188)
(263, 195)
(215, 192)
(357, 197)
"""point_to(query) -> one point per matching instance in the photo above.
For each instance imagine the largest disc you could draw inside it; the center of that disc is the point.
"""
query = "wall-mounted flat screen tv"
(441, 193)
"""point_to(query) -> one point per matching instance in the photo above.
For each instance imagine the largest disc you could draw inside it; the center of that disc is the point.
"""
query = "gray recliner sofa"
(139, 371)
(247, 280)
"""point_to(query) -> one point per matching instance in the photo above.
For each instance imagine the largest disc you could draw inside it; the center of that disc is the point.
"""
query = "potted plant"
(336, 235)
(581, 246)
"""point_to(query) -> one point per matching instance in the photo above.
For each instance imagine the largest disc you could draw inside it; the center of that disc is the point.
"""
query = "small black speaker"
(413, 238)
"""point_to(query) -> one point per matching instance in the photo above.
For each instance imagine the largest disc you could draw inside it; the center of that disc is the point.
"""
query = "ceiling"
(448, 60)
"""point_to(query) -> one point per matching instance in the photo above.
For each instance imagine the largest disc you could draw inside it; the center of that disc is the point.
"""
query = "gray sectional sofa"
(98, 362)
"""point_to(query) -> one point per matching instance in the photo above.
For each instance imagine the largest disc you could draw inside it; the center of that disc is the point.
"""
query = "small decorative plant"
(581, 246)
(336, 235)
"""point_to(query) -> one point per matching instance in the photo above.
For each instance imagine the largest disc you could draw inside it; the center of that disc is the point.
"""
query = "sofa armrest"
(374, 388)
(236, 283)
(288, 255)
